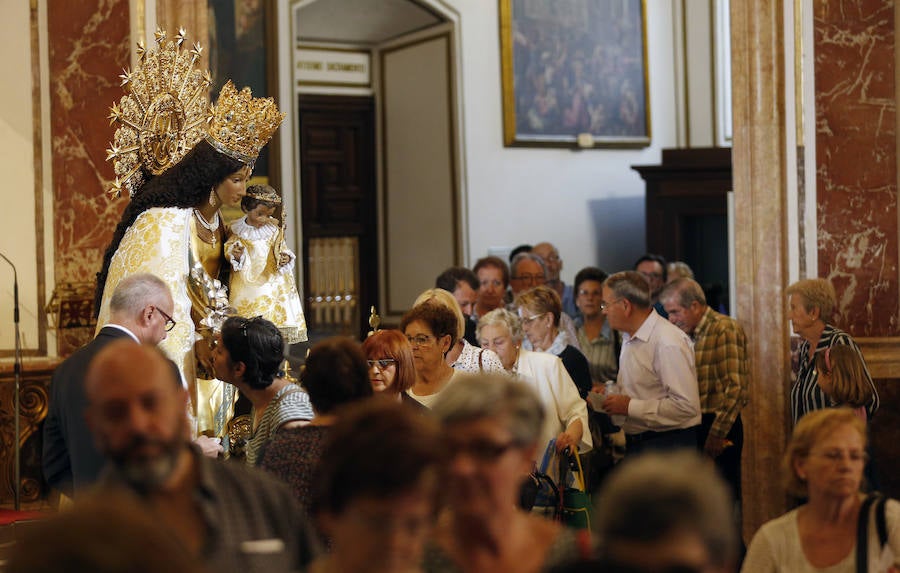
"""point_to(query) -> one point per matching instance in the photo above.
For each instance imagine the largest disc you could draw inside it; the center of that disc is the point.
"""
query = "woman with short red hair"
(391, 367)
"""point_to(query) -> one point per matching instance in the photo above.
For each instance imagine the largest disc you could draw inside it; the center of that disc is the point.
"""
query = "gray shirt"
(253, 523)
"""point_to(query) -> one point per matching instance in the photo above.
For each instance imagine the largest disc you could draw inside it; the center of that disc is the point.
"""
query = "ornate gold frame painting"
(574, 73)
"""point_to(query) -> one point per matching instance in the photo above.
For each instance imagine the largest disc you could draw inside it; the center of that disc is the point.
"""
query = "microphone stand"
(17, 370)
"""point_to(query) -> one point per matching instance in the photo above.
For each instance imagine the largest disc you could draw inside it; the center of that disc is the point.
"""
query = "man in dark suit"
(141, 310)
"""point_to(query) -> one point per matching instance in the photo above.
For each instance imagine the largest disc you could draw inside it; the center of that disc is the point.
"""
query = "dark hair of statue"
(249, 203)
(186, 184)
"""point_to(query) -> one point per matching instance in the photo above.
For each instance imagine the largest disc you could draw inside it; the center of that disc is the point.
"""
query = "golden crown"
(164, 114)
(264, 193)
(241, 125)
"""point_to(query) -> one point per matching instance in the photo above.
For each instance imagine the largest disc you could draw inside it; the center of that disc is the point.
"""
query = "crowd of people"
(407, 451)
(411, 449)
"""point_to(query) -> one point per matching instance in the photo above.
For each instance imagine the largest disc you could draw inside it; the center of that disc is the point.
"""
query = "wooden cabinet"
(687, 213)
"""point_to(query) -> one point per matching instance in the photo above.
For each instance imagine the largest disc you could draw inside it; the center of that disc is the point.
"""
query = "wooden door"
(340, 243)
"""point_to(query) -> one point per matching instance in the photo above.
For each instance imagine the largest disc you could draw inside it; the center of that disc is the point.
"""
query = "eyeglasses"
(589, 293)
(480, 450)
(419, 339)
(170, 322)
(381, 363)
(835, 456)
(526, 320)
(605, 305)
(533, 278)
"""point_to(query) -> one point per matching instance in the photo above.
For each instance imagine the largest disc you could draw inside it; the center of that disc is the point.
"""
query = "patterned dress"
(258, 286)
(292, 456)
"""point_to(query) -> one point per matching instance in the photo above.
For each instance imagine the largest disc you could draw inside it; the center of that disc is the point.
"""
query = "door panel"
(337, 175)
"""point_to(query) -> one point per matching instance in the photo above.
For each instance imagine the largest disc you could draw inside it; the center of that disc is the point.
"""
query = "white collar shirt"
(656, 369)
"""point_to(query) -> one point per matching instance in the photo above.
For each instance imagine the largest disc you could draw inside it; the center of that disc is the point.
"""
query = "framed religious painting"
(574, 73)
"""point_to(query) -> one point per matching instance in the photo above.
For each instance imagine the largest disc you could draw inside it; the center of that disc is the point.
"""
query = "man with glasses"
(527, 270)
(141, 311)
(660, 404)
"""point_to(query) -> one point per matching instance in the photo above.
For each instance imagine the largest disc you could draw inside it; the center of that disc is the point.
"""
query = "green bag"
(577, 507)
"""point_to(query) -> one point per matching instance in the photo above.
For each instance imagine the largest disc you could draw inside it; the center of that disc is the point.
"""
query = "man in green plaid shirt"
(723, 373)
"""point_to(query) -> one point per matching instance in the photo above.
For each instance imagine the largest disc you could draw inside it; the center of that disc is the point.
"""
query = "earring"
(212, 196)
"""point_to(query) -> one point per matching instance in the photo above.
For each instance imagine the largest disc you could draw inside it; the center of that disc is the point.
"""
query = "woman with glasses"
(431, 330)
(566, 419)
(824, 463)
(462, 356)
(492, 430)
(540, 309)
(391, 368)
(335, 374)
(247, 355)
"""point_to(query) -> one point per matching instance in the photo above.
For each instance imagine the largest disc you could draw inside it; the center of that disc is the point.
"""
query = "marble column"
(88, 48)
(856, 162)
(856, 195)
(759, 172)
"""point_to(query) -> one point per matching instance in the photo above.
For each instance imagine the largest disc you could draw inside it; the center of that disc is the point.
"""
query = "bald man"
(226, 515)
(550, 255)
(140, 312)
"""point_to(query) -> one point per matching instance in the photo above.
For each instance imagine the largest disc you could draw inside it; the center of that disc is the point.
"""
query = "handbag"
(570, 505)
(577, 506)
(862, 529)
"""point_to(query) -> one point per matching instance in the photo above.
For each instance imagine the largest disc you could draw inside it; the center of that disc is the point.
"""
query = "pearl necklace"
(211, 227)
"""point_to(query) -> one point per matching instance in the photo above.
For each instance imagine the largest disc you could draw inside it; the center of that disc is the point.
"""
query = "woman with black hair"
(247, 355)
(173, 229)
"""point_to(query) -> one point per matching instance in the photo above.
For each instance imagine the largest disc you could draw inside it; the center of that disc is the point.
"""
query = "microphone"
(17, 368)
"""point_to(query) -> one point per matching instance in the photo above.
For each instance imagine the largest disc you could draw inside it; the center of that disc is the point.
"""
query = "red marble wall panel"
(88, 48)
(856, 162)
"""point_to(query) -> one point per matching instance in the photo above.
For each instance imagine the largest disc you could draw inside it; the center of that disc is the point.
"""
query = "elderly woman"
(540, 309)
(392, 370)
(335, 374)
(431, 330)
(824, 462)
(375, 492)
(493, 278)
(492, 431)
(566, 420)
(247, 355)
(598, 341)
(811, 304)
(463, 356)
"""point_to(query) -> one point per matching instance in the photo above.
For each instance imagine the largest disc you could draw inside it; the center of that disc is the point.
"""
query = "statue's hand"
(203, 354)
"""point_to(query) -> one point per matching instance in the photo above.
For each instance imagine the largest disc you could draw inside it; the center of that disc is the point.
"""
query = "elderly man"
(655, 271)
(660, 404)
(527, 270)
(566, 293)
(723, 373)
(227, 516)
(141, 311)
(463, 284)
